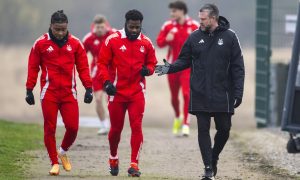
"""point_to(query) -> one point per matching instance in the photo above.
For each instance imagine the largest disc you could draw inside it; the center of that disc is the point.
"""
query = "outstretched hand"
(162, 69)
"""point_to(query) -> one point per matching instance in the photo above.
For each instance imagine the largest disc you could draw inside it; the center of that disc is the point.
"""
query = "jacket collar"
(123, 34)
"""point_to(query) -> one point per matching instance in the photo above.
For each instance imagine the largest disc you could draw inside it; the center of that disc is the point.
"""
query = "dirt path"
(168, 158)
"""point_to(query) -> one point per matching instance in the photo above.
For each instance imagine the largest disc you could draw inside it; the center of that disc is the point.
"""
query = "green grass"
(16, 138)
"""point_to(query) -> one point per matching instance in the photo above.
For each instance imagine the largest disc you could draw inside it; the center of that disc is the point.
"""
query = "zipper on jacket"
(227, 102)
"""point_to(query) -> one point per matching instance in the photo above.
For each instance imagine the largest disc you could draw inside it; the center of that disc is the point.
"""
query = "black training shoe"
(114, 167)
(208, 174)
(134, 171)
(215, 167)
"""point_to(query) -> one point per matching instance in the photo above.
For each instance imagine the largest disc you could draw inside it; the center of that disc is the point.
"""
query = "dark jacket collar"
(59, 42)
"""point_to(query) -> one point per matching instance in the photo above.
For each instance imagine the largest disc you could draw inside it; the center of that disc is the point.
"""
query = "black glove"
(145, 71)
(29, 97)
(163, 69)
(110, 88)
(88, 97)
(237, 102)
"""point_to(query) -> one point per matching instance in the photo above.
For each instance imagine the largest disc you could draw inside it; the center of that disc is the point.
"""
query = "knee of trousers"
(72, 128)
(224, 129)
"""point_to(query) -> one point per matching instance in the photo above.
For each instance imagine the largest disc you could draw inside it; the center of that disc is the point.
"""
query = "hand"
(29, 97)
(237, 102)
(88, 97)
(110, 88)
(170, 37)
(145, 71)
(162, 69)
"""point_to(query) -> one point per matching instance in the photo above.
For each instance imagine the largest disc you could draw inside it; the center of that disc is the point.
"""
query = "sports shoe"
(113, 166)
(54, 171)
(208, 174)
(103, 131)
(176, 125)
(185, 130)
(65, 161)
(133, 170)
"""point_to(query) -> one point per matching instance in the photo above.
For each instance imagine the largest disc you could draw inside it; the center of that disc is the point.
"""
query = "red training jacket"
(126, 59)
(92, 43)
(58, 67)
(181, 33)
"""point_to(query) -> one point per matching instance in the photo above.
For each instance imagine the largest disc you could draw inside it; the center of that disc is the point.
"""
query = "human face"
(176, 14)
(134, 27)
(100, 29)
(206, 22)
(59, 30)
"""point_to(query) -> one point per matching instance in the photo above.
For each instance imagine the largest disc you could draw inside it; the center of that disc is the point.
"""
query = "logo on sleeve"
(123, 48)
(220, 42)
(50, 49)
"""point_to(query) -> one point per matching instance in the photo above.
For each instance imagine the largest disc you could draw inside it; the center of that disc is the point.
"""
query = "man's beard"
(206, 28)
(131, 36)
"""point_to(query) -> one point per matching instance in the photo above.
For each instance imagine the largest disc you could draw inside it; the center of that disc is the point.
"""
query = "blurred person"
(92, 42)
(132, 57)
(57, 53)
(217, 80)
(173, 34)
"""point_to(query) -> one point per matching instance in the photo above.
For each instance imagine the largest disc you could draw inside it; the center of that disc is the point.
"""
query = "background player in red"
(132, 56)
(92, 42)
(57, 53)
(173, 34)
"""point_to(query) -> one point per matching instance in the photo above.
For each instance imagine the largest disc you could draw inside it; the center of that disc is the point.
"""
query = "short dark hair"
(59, 17)
(134, 15)
(99, 19)
(212, 8)
(179, 5)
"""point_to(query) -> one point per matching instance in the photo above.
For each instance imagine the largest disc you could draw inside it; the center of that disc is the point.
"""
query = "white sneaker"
(185, 130)
(103, 131)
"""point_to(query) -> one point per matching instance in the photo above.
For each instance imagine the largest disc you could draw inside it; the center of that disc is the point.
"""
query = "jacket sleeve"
(151, 60)
(237, 69)
(104, 61)
(33, 67)
(184, 59)
(161, 38)
(82, 66)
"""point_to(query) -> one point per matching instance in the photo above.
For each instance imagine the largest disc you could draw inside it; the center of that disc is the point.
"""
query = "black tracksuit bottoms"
(223, 125)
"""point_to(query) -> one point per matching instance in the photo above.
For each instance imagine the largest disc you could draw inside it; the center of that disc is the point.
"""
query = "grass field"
(15, 139)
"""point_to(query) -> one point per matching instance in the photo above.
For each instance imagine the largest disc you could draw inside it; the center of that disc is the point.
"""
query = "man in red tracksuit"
(57, 53)
(173, 34)
(92, 43)
(132, 56)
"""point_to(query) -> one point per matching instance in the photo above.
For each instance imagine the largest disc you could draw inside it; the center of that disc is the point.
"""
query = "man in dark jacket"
(217, 80)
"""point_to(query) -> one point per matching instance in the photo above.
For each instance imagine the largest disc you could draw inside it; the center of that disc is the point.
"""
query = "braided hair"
(59, 17)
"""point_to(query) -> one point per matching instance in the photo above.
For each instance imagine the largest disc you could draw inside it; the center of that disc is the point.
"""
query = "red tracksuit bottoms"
(70, 116)
(176, 81)
(117, 111)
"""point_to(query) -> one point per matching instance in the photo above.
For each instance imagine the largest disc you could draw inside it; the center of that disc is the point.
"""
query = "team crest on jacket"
(96, 42)
(69, 48)
(142, 49)
(220, 42)
(50, 49)
(123, 48)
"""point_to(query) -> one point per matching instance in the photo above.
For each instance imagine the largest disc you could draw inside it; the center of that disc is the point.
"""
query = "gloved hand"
(29, 97)
(162, 69)
(237, 102)
(88, 97)
(110, 88)
(145, 71)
